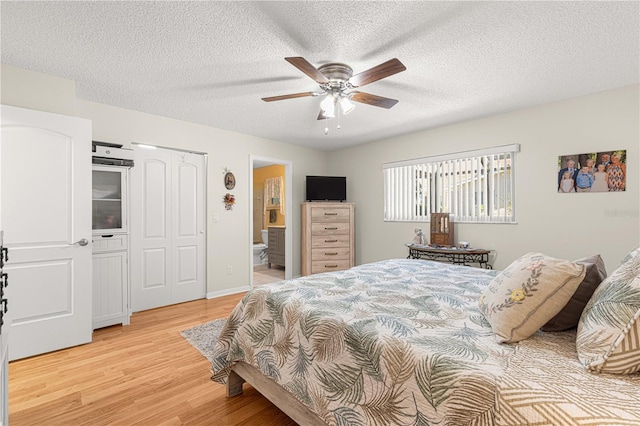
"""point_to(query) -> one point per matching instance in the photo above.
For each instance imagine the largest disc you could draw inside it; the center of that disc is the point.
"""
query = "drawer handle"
(330, 266)
(107, 236)
(331, 254)
(330, 241)
(331, 229)
(331, 214)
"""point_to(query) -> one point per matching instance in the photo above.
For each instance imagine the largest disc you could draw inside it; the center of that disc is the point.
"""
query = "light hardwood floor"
(144, 374)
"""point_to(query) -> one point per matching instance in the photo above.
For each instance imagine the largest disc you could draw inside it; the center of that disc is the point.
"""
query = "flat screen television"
(326, 188)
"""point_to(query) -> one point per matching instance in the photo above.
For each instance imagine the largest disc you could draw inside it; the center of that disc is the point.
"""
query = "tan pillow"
(570, 314)
(608, 338)
(528, 293)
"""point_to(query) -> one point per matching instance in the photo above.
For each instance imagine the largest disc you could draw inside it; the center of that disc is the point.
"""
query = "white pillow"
(528, 293)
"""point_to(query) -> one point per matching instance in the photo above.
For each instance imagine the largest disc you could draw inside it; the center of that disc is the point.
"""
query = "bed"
(403, 342)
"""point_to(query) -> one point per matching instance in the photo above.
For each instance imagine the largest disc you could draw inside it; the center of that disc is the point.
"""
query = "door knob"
(83, 242)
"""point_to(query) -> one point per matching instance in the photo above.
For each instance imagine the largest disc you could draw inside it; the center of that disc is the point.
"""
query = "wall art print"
(593, 172)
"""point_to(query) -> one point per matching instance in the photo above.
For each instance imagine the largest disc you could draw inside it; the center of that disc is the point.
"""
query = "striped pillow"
(608, 339)
(569, 316)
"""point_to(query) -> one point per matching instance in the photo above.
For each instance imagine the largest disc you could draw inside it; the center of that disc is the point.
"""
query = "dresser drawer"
(329, 214)
(324, 241)
(330, 228)
(330, 253)
(319, 266)
(109, 242)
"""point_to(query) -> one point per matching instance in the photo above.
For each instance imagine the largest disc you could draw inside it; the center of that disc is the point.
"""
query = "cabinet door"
(110, 295)
(281, 246)
(109, 199)
(276, 245)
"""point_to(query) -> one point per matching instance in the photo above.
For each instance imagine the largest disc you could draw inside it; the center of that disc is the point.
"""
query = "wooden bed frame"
(242, 372)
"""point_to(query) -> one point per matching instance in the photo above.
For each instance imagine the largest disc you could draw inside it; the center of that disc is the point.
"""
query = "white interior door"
(168, 245)
(46, 212)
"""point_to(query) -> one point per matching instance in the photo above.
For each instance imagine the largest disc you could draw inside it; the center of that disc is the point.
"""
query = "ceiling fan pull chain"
(338, 114)
(326, 124)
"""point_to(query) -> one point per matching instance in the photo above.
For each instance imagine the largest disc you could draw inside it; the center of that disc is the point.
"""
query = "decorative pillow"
(528, 293)
(608, 339)
(570, 314)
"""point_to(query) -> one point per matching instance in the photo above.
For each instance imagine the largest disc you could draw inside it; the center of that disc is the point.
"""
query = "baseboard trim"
(220, 293)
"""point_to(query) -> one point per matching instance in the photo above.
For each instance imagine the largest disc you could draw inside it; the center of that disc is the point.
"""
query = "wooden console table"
(452, 255)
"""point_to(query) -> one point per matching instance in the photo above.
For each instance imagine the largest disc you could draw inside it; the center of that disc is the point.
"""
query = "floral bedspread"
(396, 342)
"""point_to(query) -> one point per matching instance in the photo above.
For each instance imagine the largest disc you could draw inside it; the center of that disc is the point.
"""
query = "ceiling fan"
(337, 83)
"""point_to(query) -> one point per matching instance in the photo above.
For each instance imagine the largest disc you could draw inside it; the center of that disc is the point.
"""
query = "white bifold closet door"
(168, 244)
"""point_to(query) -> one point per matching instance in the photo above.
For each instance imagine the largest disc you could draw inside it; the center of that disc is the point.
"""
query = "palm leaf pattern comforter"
(396, 342)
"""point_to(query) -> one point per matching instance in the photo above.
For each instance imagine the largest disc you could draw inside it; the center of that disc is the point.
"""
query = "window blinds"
(476, 186)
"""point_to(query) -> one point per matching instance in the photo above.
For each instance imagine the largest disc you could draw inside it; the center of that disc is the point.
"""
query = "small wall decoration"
(229, 179)
(593, 172)
(229, 200)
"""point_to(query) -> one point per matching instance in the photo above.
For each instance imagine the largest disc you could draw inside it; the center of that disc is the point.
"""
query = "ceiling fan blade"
(291, 96)
(367, 98)
(303, 65)
(392, 66)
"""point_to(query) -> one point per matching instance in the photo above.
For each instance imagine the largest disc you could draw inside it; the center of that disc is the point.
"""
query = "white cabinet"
(109, 199)
(110, 246)
(110, 280)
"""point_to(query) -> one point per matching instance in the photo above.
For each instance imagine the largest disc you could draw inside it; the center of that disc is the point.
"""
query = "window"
(476, 186)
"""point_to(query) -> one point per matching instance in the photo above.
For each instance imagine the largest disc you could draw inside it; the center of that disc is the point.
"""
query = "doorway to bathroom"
(271, 220)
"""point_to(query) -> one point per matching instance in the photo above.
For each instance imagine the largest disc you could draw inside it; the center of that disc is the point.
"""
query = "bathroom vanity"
(275, 250)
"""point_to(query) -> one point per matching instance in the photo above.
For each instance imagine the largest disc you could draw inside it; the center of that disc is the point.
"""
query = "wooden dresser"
(328, 233)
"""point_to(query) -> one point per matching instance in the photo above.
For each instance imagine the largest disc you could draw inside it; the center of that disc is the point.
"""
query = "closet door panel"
(188, 227)
(187, 188)
(150, 229)
(187, 264)
(155, 199)
(155, 265)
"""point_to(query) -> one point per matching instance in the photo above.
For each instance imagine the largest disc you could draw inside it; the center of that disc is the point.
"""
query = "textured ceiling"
(211, 62)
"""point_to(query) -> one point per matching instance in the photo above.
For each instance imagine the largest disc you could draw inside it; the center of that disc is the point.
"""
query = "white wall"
(228, 239)
(561, 225)
(33, 90)
(568, 226)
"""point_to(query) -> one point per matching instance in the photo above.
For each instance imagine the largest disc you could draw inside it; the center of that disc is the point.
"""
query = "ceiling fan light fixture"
(346, 105)
(328, 105)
